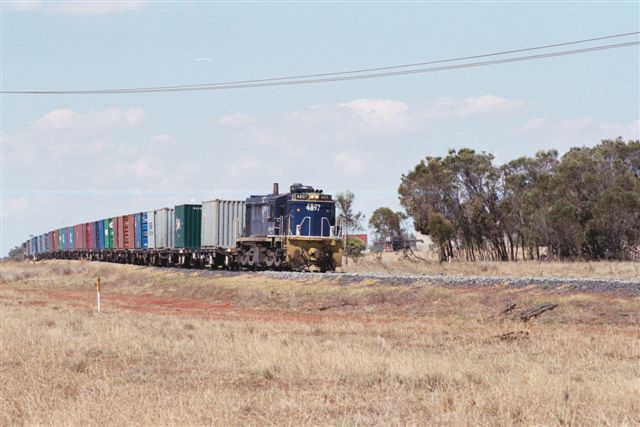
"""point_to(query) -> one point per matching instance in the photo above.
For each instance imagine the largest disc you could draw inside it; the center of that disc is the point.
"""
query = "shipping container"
(98, 234)
(172, 227)
(79, 236)
(158, 229)
(222, 221)
(108, 233)
(62, 239)
(118, 232)
(188, 223)
(70, 238)
(141, 230)
(123, 232)
(89, 238)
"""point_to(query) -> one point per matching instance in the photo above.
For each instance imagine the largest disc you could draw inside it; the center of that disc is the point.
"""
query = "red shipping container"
(89, 236)
(123, 233)
(129, 232)
(79, 233)
(56, 240)
(118, 232)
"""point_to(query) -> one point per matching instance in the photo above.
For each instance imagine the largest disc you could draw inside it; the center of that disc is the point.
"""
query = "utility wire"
(331, 77)
(417, 64)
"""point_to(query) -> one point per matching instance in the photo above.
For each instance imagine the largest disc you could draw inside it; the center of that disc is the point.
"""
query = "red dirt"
(82, 299)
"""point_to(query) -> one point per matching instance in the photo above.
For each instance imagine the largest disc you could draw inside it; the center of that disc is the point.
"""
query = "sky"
(68, 159)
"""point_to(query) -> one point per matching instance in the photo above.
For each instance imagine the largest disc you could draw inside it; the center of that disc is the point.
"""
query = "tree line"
(582, 205)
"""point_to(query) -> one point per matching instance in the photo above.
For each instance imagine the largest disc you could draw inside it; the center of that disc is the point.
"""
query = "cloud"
(78, 8)
(385, 115)
(629, 130)
(530, 126)
(350, 163)
(576, 124)
(235, 120)
(474, 105)
(581, 131)
(67, 119)
(68, 148)
(588, 128)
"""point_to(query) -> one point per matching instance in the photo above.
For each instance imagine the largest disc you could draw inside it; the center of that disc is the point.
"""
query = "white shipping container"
(222, 222)
(158, 229)
(171, 226)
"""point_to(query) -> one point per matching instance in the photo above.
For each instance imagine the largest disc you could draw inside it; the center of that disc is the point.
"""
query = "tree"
(349, 220)
(387, 225)
(16, 254)
(584, 205)
(355, 247)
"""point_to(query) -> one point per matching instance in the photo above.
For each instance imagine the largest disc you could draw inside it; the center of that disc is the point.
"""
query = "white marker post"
(98, 293)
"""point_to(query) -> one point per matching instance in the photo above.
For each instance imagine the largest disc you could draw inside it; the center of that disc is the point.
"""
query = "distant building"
(362, 237)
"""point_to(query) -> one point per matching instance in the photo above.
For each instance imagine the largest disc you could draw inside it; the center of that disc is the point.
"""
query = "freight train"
(294, 231)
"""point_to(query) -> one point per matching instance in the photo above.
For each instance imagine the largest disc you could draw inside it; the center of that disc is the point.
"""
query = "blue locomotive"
(293, 231)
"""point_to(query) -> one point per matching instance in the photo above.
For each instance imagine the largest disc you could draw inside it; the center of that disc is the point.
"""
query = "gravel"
(565, 284)
(624, 287)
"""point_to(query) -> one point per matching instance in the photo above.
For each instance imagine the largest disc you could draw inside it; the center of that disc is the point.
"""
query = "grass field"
(395, 262)
(183, 348)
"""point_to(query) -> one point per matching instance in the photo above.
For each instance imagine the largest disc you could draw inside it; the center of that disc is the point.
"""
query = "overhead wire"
(348, 75)
(416, 64)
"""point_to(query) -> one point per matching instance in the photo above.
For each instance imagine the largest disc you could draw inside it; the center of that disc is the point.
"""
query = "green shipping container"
(188, 220)
(108, 233)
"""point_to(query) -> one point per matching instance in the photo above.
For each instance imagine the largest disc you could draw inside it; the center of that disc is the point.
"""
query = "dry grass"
(274, 352)
(390, 262)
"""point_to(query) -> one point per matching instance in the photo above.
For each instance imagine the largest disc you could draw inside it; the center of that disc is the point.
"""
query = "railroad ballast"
(290, 231)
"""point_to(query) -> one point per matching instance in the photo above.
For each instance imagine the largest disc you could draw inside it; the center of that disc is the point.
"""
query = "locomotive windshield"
(311, 217)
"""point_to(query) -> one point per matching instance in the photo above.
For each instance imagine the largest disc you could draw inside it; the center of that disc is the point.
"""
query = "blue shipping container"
(141, 231)
(62, 234)
(69, 231)
(99, 229)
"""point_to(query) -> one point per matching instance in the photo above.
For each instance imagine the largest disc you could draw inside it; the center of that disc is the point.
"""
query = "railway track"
(572, 284)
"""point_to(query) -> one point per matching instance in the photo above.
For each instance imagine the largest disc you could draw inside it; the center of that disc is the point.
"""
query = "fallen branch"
(507, 309)
(526, 315)
(327, 307)
(513, 336)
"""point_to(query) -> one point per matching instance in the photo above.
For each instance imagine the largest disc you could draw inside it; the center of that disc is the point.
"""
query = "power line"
(416, 64)
(333, 77)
